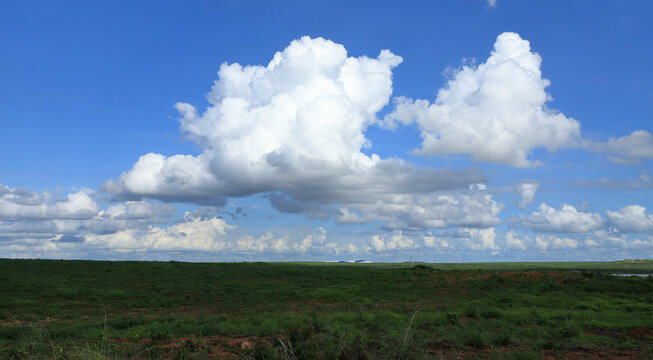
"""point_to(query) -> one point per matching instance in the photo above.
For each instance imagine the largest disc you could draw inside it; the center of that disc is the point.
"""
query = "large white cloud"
(565, 219)
(174, 178)
(631, 218)
(628, 149)
(495, 111)
(295, 130)
(299, 118)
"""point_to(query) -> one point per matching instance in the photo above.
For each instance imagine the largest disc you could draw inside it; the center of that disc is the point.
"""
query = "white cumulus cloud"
(293, 129)
(527, 192)
(17, 204)
(495, 111)
(311, 240)
(197, 235)
(249, 243)
(340, 249)
(479, 239)
(471, 207)
(631, 218)
(611, 239)
(565, 219)
(70, 217)
(396, 241)
(299, 118)
(516, 241)
(434, 242)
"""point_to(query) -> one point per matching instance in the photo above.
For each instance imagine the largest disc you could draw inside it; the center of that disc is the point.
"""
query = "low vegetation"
(151, 310)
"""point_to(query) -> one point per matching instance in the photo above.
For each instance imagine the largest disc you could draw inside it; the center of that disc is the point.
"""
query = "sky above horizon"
(235, 130)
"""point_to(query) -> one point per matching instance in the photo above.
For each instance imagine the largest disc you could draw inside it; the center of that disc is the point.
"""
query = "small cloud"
(527, 192)
(434, 242)
(397, 241)
(546, 242)
(479, 239)
(203, 213)
(626, 150)
(643, 182)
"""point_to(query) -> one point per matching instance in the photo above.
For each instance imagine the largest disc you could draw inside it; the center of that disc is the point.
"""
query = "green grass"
(142, 310)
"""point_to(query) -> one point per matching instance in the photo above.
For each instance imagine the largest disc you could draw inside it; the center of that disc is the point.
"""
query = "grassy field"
(142, 310)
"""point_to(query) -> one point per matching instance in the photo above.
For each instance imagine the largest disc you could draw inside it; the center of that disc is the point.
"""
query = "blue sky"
(460, 130)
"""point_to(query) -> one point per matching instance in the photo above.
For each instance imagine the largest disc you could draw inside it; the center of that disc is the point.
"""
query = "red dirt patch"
(454, 353)
(596, 354)
(12, 321)
(217, 347)
(614, 334)
(465, 319)
(641, 333)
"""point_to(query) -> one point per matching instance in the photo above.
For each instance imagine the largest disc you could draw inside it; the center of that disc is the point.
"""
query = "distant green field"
(141, 310)
(615, 267)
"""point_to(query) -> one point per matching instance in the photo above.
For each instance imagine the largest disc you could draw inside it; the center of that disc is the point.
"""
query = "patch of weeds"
(490, 313)
(545, 287)
(546, 344)
(153, 350)
(451, 319)
(568, 329)
(262, 351)
(534, 317)
(521, 354)
(15, 352)
(125, 322)
(505, 301)
(189, 349)
(472, 311)
(160, 334)
(472, 337)
(475, 339)
(497, 279)
(422, 268)
(10, 332)
(27, 317)
(502, 338)
(210, 326)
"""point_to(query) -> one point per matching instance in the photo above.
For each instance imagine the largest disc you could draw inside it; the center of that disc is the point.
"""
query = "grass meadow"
(63, 309)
